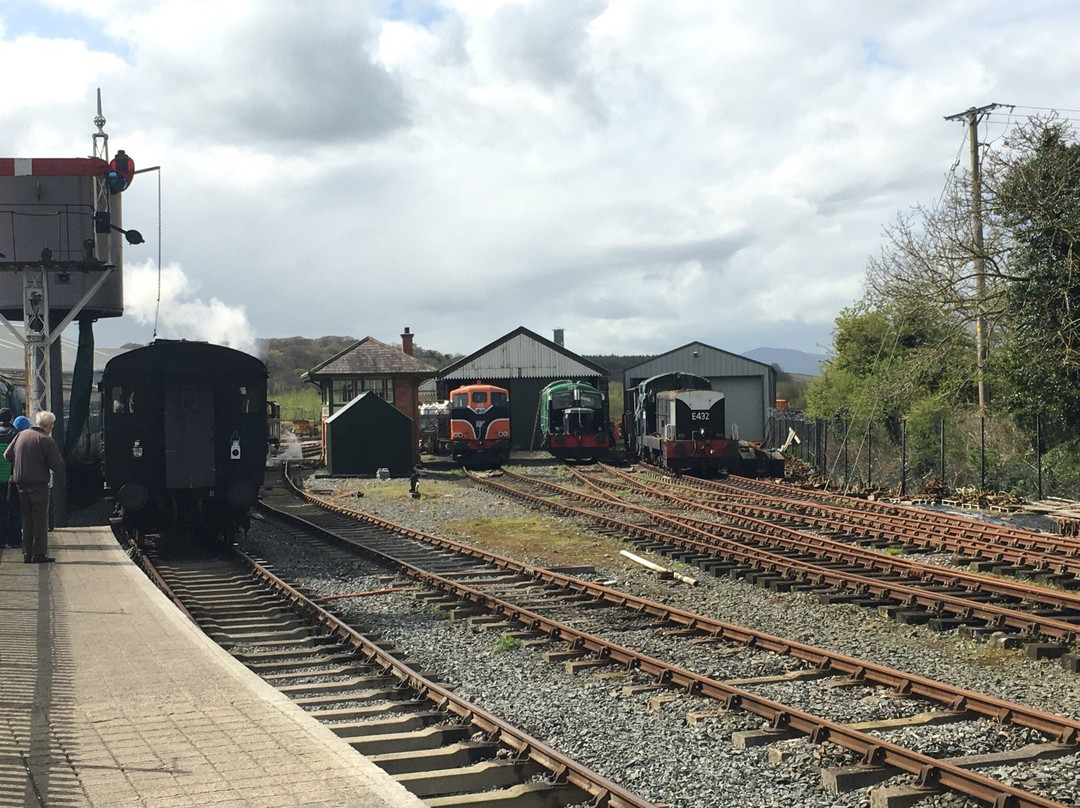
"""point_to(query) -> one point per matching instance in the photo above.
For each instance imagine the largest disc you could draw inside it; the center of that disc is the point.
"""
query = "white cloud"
(168, 301)
(639, 172)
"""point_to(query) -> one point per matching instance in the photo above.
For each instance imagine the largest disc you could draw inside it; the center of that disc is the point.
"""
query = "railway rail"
(1010, 549)
(479, 580)
(438, 745)
(784, 559)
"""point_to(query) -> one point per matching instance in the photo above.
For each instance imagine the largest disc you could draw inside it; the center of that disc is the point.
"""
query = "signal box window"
(479, 398)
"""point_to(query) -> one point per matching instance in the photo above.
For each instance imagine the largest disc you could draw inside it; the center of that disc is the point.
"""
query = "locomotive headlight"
(136, 449)
(234, 448)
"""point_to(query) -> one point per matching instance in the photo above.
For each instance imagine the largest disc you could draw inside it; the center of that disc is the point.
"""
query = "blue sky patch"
(417, 11)
(29, 18)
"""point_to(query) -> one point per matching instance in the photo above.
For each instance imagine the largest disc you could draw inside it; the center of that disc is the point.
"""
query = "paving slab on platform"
(110, 698)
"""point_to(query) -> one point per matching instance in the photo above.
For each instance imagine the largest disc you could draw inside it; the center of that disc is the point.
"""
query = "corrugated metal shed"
(749, 386)
(524, 363)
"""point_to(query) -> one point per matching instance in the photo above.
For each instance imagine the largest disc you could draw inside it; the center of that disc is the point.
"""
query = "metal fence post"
(903, 457)
(941, 448)
(1038, 450)
(869, 454)
(982, 453)
(845, 426)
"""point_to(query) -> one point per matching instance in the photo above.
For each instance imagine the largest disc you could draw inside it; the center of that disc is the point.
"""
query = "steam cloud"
(182, 315)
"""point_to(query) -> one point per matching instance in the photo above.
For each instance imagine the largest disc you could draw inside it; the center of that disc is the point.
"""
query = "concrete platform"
(110, 698)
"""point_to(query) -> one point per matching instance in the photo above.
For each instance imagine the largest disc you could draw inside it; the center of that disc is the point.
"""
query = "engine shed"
(749, 386)
(524, 363)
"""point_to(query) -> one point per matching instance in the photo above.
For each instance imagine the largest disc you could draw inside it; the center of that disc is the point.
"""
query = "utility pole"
(973, 116)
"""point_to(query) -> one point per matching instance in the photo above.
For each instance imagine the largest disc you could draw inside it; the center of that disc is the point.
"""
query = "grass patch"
(506, 643)
(533, 538)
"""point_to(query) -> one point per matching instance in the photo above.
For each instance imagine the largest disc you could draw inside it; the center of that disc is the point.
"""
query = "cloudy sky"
(641, 173)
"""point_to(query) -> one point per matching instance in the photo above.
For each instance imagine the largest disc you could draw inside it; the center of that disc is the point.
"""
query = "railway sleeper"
(405, 703)
(353, 685)
(307, 653)
(907, 795)
(537, 794)
(433, 737)
(953, 623)
(906, 615)
(334, 699)
(395, 724)
(271, 641)
(454, 756)
(483, 776)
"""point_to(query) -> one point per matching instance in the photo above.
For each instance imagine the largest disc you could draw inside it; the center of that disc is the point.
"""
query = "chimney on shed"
(559, 337)
(406, 341)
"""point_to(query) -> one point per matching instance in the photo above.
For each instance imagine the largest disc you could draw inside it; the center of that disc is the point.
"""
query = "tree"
(889, 357)
(1037, 197)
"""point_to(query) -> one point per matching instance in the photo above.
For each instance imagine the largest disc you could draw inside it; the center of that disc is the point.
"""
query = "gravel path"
(648, 745)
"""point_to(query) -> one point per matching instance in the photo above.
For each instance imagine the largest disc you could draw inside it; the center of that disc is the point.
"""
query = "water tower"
(61, 259)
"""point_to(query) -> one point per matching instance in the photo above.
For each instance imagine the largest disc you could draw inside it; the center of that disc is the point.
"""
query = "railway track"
(441, 747)
(554, 607)
(1003, 548)
(726, 541)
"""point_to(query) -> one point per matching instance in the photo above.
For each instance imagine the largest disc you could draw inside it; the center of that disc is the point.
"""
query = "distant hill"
(789, 360)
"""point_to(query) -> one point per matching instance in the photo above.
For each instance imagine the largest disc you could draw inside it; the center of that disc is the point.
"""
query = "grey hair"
(44, 418)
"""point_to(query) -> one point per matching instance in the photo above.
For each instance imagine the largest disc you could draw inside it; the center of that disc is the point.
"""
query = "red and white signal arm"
(52, 167)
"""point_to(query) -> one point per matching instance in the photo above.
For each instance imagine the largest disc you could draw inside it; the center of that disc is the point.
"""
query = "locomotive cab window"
(479, 397)
(497, 399)
(123, 400)
(460, 400)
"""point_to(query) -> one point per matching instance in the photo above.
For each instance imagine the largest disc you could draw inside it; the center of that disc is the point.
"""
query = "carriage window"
(123, 400)
(497, 399)
(189, 398)
(247, 400)
(460, 400)
(479, 398)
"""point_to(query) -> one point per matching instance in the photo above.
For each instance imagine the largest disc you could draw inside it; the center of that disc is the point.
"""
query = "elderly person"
(33, 454)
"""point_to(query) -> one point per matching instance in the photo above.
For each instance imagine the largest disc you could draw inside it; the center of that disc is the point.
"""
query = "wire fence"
(915, 456)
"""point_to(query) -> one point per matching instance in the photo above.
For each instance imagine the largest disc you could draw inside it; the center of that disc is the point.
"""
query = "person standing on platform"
(33, 455)
(10, 518)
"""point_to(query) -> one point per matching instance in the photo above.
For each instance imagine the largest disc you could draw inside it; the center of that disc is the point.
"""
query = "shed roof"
(369, 357)
(521, 354)
(699, 358)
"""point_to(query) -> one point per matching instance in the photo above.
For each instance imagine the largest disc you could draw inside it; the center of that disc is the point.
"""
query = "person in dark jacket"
(35, 457)
(10, 518)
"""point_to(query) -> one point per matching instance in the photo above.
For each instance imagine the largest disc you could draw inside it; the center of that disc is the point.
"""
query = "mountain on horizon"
(789, 360)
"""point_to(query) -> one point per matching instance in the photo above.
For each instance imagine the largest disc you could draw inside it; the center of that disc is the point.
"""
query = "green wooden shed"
(366, 435)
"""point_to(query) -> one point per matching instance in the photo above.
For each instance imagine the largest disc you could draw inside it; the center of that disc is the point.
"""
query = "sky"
(640, 173)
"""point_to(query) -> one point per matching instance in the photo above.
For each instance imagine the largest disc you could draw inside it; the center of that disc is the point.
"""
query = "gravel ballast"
(644, 743)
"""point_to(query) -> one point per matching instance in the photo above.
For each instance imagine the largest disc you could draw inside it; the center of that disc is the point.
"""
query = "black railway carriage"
(185, 437)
